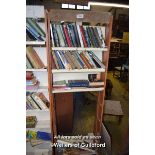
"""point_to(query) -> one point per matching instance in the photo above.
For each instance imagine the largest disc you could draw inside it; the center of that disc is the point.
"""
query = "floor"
(85, 112)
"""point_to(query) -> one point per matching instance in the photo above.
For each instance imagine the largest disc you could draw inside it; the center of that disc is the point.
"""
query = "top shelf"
(79, 49)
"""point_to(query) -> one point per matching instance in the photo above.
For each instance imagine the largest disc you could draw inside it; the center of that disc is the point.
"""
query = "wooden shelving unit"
(71, 16)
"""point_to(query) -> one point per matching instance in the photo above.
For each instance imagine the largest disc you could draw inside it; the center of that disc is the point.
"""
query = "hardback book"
(60, 36)
(44, 99)
(83, 36)
(29, 75)
(34, 24)
(32, 102)
(55, 35)
(61, 65)
(34, 58)
(37, 99)
(76, 35)
(80, 35)
(59, 83)
(33, 81)
(67, 36)
(32, 88)
(85, 61)
(55, 60)
(78, 83)
(31, 121)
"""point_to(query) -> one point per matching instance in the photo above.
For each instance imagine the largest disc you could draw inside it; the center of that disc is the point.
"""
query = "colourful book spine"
(83, 37)
(29, 65)
(69, 60)
(32, 102)
(61, 40)
(36, 26)
(59, 60)
(67, 36)
(52, 37)
(80, 35)
(55, 60)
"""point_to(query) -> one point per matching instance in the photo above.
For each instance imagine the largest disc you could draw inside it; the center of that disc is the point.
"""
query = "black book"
(55, 36)
(87, 37)
(72, 34)
(94, 37)
(30, 35)
(76, 35)
(90, 36)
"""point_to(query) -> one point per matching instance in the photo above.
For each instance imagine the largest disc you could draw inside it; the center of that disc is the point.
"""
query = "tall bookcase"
(104, 18)
(43, 116)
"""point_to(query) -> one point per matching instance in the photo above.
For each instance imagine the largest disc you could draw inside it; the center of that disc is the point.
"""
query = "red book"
(83, 36)
(29, 76)
(67, 36)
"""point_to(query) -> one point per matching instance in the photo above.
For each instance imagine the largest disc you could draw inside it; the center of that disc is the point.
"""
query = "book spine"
(61, 40)
(76, 35)
(97, 59)
(70, 35)
(101, 35)
(75, 61)
(67, 36)
(59, 60)
(63, 35)
(31, 57)
(29, 105)
(80, 35)
(68, 59)
(63, 60)
(32, 34)
(90, 35)
(86, 36)
(94, 37)
(55, 60)
(44, 99)
(97, 36)
(84, 65)
(39, 101)
(83, 37)
(36, 26)
(52, 37)
(32, 102)
(28, 63)
(88, 60)
(85, 60)
(56, 39)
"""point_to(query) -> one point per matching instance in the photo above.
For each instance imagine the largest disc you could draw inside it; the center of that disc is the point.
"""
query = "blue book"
(59, 60)
(78, 83)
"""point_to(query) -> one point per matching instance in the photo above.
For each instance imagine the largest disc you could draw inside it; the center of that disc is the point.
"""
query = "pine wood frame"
(70, 15)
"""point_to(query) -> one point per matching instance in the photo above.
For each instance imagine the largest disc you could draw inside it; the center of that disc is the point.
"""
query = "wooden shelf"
(76, 89)
(37, 70)
(41, 43)
(78, 70)
(40, 89)
(79, 49)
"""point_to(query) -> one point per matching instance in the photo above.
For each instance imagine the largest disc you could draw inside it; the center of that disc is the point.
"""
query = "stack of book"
(36, 101)
(31, 121)
(32, 83)
(34, 31)
(76, 60)
(72, 35)
(32, 59)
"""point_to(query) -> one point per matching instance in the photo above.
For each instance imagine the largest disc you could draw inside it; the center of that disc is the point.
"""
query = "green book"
(32, 23)
(28, 64)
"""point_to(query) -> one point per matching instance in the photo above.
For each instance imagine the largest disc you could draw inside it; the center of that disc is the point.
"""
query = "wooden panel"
(71, 15)
(64, 112)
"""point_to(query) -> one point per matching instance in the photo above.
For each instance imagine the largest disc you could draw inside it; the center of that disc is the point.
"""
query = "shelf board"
(35, 43)
(37, 70)
(40, 89)
(79, 49)
(78, 70)
(76, 89)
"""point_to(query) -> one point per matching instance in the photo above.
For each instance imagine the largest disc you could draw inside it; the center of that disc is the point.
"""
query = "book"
(34, 58)
(78, 83)
(61, 66)
(33, 81)
(44, 99)
(80, 35)
(31, 121)
(32, 102)
(55, 36)
(40, 103)
(36, 26)
(55, 60)
(29, 75)
(59, 83)
(60, 36)
(67, 36)
(83, 36)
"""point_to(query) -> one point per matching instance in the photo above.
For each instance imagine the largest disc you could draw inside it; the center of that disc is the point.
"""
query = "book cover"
(79, 34)
(44, 99)
(32, 102)
(83, 36)
(61, 40)
(67, 36)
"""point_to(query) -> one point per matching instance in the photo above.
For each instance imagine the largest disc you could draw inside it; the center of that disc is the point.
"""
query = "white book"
(79, 33)
(101, 35)
(52, 35)
(41, 104)
(63, 61)
(90, 60)
(30, 100)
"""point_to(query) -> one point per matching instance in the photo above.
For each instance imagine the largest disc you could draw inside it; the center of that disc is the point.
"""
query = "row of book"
(76, 83)
(72, 35)
(36, 101)
(76, 60)
(34, 31)
(32, 59)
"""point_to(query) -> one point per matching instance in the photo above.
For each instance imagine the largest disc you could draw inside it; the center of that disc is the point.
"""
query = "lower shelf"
(76, 89)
